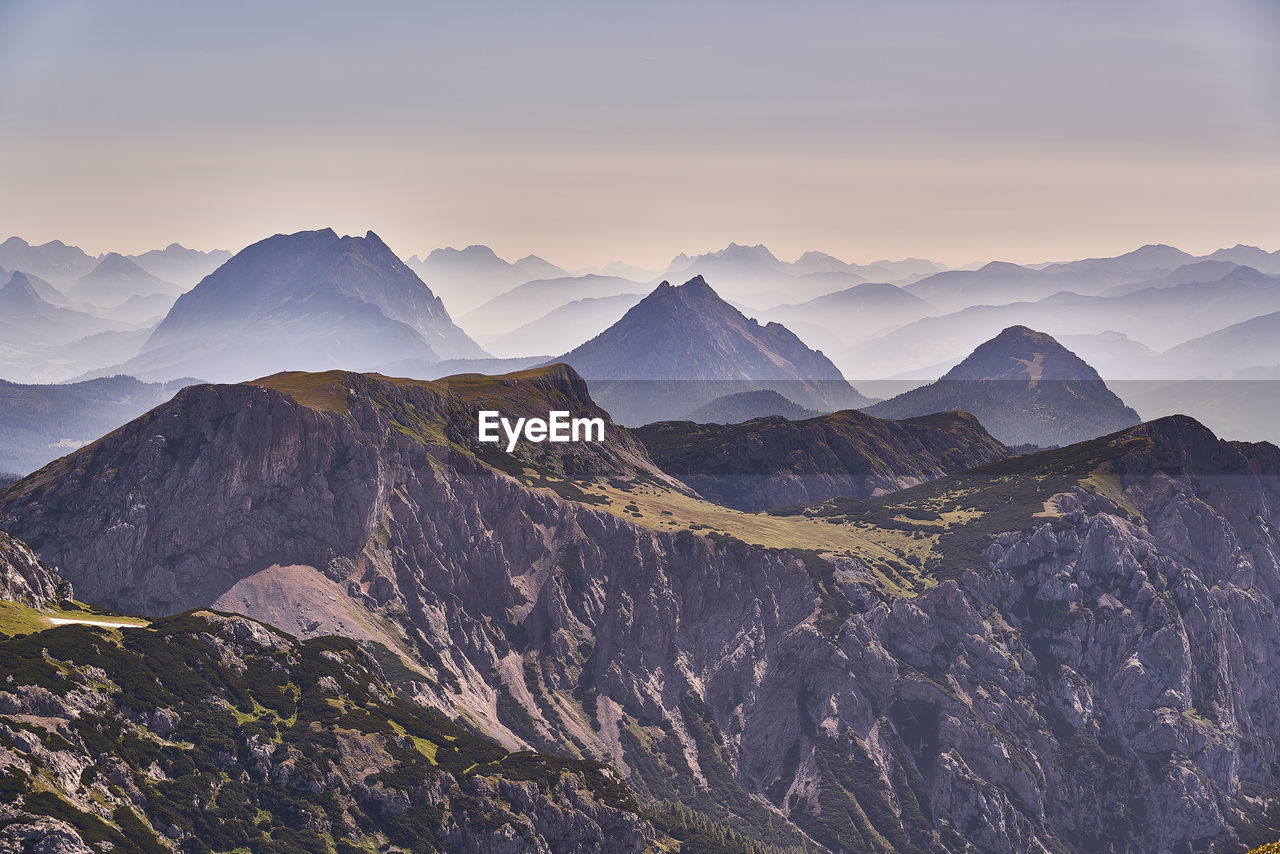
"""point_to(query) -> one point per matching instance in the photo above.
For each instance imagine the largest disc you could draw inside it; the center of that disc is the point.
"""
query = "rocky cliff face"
(23, 579)
(768, 462)
(1092, 667)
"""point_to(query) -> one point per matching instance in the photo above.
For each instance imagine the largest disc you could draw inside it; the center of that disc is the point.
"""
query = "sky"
(588, 132)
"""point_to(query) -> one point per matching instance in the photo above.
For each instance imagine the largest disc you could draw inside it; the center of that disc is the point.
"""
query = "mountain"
(819, 262)
(305, 300)
(562, 328)
(115, 279)
(43, 422)
(536, 268)
(682, 347)
(258, 741)
(1025, 388)
(465, 278)
(1075, 650)
(856, 313)
(528, 301)
(176, 263)
(746, 405)
(768, 462)
(748, 274)
(44, 290)
(54, 261)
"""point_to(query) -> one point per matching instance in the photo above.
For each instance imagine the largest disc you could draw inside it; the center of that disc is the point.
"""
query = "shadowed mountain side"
(682, 347)
(310, 300)
(768, 462)
(1025, 388)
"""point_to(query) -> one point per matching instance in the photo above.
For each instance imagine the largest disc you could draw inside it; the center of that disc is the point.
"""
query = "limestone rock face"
(24, 579)
(1103, 678)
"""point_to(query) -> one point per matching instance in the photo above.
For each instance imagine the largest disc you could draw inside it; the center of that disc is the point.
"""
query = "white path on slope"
(106, 624)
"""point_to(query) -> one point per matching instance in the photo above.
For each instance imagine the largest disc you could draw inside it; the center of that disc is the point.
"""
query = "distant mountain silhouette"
(562, 328)
(1024, 387)
(528, 301)
(1159, 317)
(747, 405)
(465, 278)
(55, 261)
(1249, 256)
(308, 301)
(115, 279)
(1152, 258)
(682, 347)
(538, 268)
(176, 263)
(856, 313)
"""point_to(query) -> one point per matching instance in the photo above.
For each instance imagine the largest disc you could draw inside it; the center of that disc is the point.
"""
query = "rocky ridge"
(767, 462)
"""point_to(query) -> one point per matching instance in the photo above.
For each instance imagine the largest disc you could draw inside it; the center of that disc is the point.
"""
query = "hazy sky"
(1025, 130)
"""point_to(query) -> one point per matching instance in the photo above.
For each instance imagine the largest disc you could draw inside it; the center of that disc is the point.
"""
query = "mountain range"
(1071, 650)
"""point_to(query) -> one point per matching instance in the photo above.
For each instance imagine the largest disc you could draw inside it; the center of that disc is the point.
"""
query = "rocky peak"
(1023, 354)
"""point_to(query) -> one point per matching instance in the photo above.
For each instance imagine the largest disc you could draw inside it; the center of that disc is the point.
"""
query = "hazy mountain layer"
(176, 263)
(563, 328)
